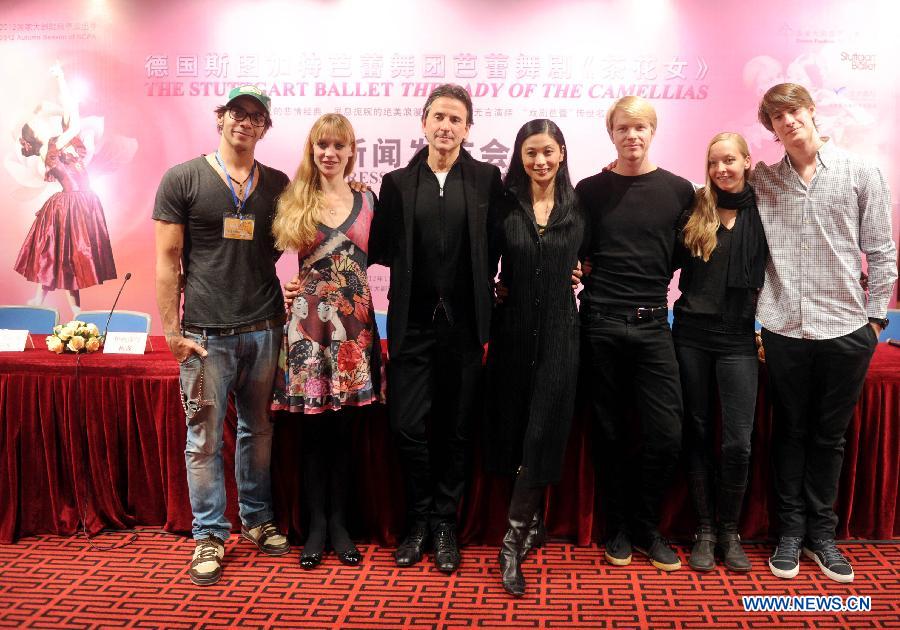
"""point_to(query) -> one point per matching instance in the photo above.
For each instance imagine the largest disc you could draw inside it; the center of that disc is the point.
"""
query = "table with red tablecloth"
(97, 441)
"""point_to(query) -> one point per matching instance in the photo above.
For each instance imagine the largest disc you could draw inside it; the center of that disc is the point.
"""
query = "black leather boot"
(728, 543)
(522, 507)
(703, 555)
(537, 533)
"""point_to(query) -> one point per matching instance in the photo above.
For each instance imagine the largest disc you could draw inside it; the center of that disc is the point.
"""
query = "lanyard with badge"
(237, 225)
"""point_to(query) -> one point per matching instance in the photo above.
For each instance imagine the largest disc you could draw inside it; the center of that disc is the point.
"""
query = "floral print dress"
(331, 354)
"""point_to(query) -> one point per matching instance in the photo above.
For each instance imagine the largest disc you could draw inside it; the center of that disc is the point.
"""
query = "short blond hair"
(633, 106)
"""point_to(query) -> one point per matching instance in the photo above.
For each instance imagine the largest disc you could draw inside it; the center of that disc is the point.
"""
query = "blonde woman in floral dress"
(331, 363)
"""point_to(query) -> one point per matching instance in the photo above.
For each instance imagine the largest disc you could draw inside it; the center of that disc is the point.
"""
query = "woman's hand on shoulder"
(501, 292)
(577, 274)
(358, 186)
(760, 351)
(291, 290)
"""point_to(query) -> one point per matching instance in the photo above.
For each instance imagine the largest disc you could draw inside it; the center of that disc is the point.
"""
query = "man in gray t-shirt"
(214, 229)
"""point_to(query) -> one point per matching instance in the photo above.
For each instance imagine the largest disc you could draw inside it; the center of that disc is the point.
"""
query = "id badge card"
(238, 226)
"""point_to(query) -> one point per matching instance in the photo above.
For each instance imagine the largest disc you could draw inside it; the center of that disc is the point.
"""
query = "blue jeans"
(244, 364)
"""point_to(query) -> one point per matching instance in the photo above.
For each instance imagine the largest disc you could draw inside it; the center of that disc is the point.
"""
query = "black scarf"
(747, 262)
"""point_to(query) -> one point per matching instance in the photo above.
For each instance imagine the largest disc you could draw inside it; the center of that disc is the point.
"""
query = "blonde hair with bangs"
(699, 233)
(300, 206)
(633, 107)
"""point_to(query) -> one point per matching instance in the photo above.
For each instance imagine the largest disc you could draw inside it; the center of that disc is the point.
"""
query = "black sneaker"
(785, 560)
(830, 560)
(618, 550)
(661, 555)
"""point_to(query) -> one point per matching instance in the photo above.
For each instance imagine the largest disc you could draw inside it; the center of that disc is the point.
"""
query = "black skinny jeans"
(735, 376)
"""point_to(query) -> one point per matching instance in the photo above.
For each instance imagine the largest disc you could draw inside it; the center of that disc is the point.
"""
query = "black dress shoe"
(446, 552)
(351, 557)
(310, 560)
(409, 552)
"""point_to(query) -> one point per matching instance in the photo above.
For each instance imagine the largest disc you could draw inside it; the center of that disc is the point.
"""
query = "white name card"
(13, 340)
(125, 343)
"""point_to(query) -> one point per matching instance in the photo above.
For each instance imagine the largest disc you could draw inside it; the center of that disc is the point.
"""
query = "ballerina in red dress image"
(68, 244)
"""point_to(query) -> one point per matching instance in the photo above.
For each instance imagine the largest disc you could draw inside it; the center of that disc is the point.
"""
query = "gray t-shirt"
(228, 282)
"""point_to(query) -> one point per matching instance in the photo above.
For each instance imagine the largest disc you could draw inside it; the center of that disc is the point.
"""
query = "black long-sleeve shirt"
(632, 233)
(710, 314)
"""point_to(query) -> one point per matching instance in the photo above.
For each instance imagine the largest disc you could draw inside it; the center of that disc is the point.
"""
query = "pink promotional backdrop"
(148, 76)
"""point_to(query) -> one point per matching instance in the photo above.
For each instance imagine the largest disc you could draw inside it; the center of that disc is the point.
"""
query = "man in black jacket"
(431, 229)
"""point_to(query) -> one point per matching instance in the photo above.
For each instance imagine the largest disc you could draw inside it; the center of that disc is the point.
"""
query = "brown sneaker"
(267, 537)
(206, 566)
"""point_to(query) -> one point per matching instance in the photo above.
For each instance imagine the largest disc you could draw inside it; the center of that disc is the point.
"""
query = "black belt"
(633, 313)
(263, 324)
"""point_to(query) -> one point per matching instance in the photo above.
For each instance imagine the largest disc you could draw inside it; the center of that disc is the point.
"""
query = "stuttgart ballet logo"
(859, 61)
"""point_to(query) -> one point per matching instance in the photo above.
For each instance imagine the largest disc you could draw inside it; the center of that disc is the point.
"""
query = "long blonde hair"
(700, 231)
(300, 205)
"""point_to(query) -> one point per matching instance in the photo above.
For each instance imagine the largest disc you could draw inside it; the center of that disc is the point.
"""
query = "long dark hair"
(517, 179)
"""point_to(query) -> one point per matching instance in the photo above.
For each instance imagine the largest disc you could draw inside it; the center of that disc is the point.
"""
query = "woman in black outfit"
(533, 350)
(723, 267)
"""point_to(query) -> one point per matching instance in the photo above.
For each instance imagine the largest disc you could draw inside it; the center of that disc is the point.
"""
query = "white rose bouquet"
(75, 336)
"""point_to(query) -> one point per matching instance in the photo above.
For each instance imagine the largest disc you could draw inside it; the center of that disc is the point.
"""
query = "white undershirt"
(442, 179)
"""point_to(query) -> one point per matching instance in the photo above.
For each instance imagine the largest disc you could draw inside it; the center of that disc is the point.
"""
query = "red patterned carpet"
(52, 582)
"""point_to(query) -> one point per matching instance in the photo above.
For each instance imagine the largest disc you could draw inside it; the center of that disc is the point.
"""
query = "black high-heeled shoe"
(310, 561)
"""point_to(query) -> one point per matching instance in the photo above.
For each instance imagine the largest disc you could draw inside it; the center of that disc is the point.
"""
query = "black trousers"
(631, 365)
(815, 385)
(438, 371)
(735, 377)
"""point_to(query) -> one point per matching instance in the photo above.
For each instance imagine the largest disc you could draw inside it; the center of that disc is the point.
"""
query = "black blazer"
(391, 237)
